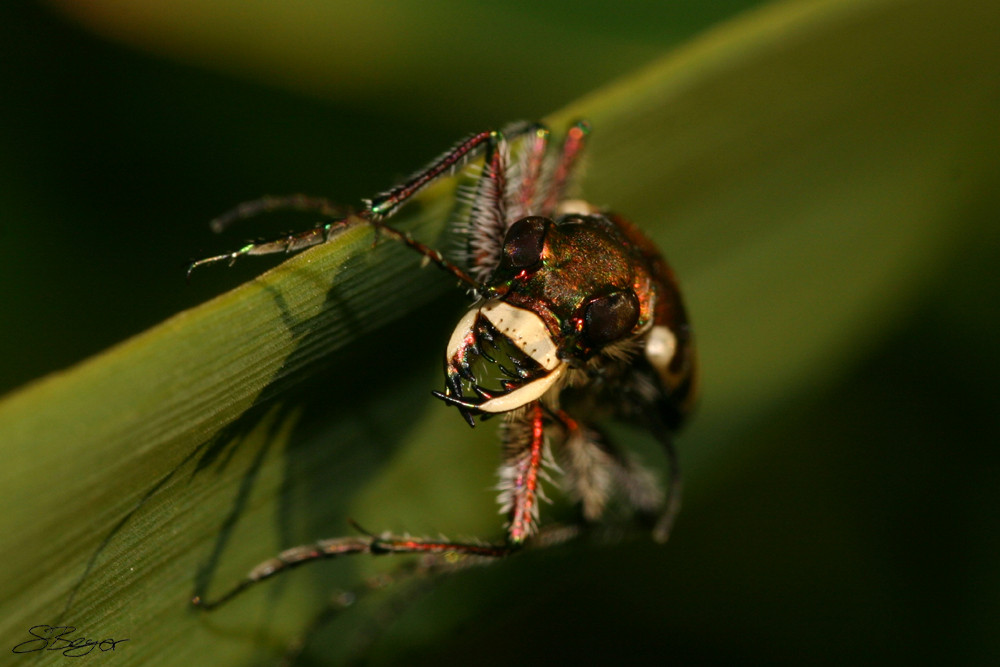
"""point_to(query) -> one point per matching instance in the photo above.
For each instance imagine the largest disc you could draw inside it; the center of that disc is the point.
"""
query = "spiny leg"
(376, 211)
(285, 561)
(638, 401)
(530, 172)
(256, 207)
(425, 250)
(420, 576)
(592, 466)
(572, 147)
(524, 443)
(288, 244)
(385, 204)
(586, 466)
(318, 235)
(345, 546)
(504, 194)
(488, 216)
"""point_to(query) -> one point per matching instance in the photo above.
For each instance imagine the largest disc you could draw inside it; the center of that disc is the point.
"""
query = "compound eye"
(525, 239)
(608, 318)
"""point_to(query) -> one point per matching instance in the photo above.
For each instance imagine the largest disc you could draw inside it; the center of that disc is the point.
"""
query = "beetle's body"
(594, 326)
(577, 317)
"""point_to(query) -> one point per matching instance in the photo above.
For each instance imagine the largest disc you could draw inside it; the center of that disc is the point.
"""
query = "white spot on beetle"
(576, 207)
(661, 347)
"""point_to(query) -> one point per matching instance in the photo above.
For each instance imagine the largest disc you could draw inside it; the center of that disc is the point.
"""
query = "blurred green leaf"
(804, 168)
(487, 60)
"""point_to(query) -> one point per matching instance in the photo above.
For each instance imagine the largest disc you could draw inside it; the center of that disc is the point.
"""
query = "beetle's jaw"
(500, 358)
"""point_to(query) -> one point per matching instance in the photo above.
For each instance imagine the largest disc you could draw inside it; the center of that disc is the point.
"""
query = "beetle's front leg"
(383, 206)
(524, 454)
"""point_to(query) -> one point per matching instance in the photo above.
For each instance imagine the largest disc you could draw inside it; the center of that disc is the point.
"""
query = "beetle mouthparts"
(489, 372)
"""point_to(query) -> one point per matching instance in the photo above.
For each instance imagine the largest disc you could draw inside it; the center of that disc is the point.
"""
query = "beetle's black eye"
(610, 317)
(524, 242)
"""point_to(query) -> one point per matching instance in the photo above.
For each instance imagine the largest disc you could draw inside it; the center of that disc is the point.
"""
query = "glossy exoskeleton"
(577, 317)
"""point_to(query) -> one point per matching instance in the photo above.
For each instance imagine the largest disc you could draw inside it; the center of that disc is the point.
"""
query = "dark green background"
(858, 523)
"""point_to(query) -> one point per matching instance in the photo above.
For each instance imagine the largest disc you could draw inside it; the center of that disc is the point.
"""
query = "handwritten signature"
(53, 638)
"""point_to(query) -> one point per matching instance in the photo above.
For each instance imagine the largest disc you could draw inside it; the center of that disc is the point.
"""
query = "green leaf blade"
(805, 169)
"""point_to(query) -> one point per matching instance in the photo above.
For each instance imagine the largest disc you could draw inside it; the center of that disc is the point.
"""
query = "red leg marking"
(531, 173)
(524, 509)
(571, 149)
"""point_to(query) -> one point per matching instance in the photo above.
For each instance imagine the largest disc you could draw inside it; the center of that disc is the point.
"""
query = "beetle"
(576, 316)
